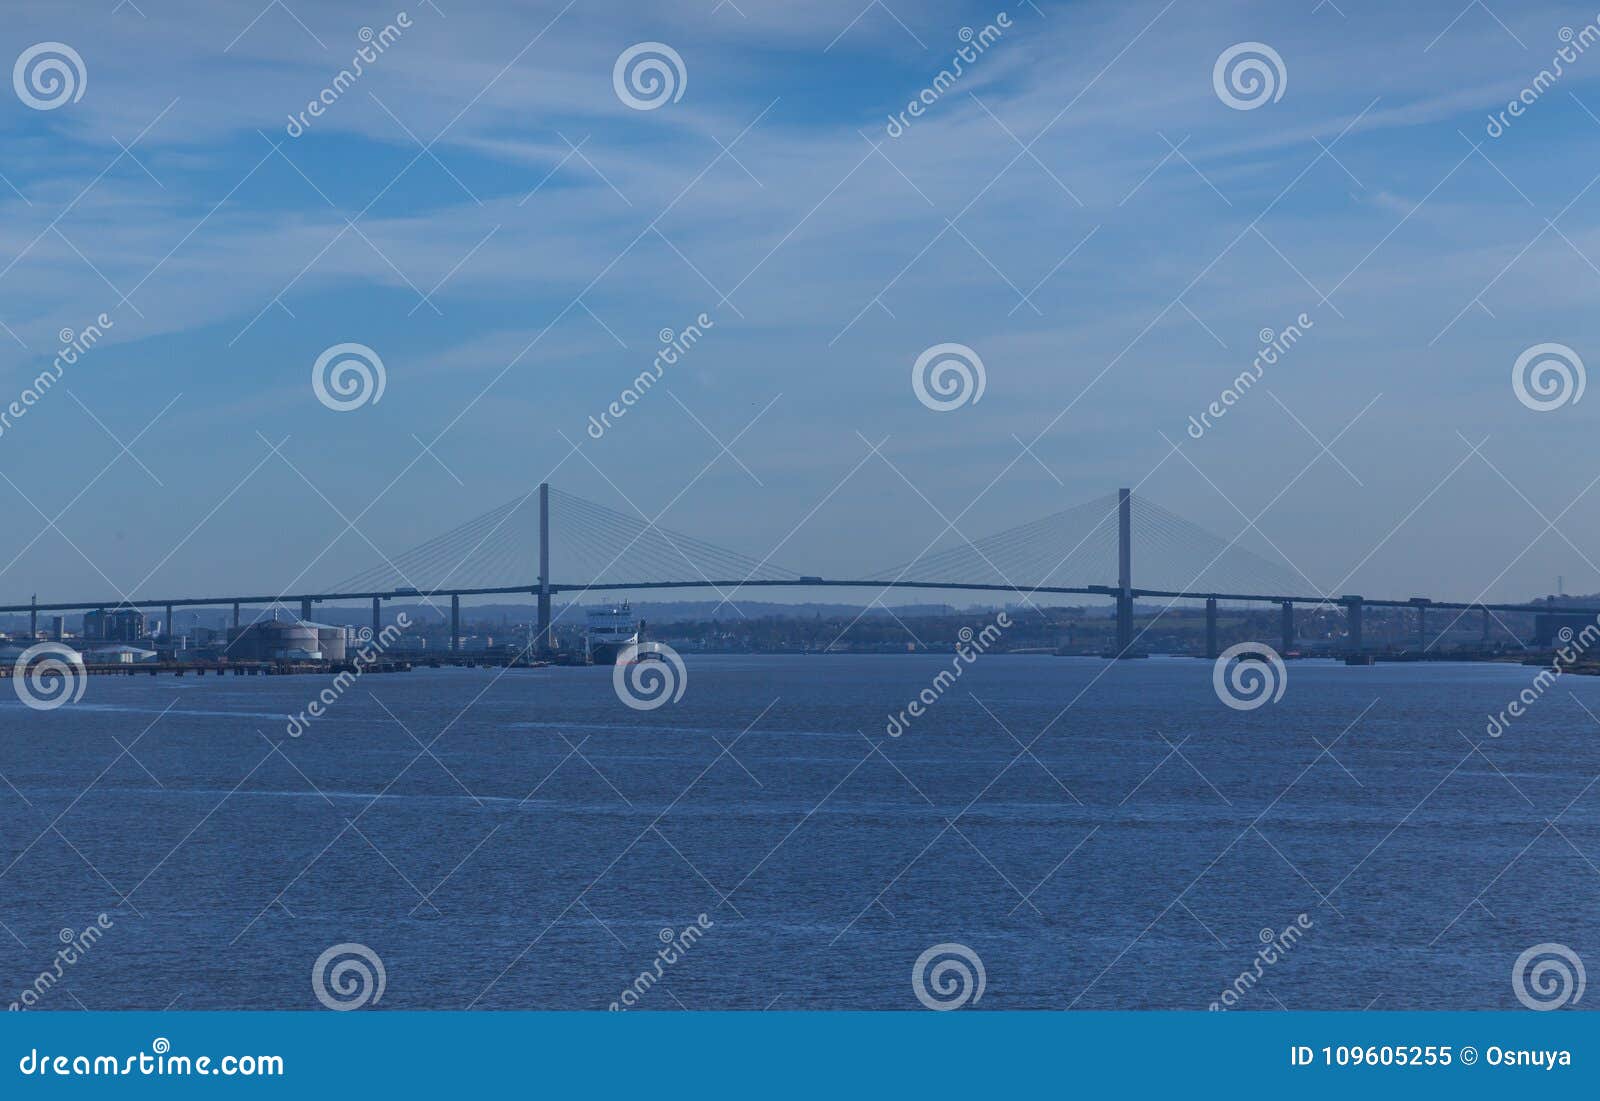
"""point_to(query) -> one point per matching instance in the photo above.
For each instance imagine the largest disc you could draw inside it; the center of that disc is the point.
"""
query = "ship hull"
(607, 653)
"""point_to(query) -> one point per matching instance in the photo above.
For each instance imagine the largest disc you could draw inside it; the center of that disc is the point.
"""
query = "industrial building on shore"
(288, 640)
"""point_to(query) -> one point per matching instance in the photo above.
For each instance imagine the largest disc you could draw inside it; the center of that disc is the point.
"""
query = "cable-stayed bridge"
(549, 542)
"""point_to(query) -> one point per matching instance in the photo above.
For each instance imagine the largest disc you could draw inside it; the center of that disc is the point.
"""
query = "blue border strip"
(807, 1055)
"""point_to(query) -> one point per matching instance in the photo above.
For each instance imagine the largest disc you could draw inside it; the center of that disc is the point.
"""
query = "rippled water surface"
(1100, 836)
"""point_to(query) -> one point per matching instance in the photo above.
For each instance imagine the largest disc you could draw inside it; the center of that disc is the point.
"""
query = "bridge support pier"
(455, 623)
(1286, 627)
(1211, 628)
(377, 616)
(167, 625)
(305, 609)
(1124, 571)
(542, 639)
(1352, 612)
(236, 613)
(33, 620)
(1124, 622)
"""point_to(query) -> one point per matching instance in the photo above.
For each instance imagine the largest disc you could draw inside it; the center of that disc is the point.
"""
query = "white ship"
(612, 630)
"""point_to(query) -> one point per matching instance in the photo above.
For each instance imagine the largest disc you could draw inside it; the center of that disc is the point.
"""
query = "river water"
(1099, 835)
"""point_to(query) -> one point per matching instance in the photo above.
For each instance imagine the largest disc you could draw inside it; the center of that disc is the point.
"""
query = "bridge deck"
(733, 585)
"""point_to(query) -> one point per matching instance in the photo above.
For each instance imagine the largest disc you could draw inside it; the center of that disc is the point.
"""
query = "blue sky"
(826, 264)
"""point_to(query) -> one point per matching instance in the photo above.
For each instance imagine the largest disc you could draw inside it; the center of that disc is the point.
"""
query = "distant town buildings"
(117, 625)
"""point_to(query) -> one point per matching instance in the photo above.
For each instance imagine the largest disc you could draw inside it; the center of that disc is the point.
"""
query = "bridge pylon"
(1352, 614)
(1124, 571)
(542, 640)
